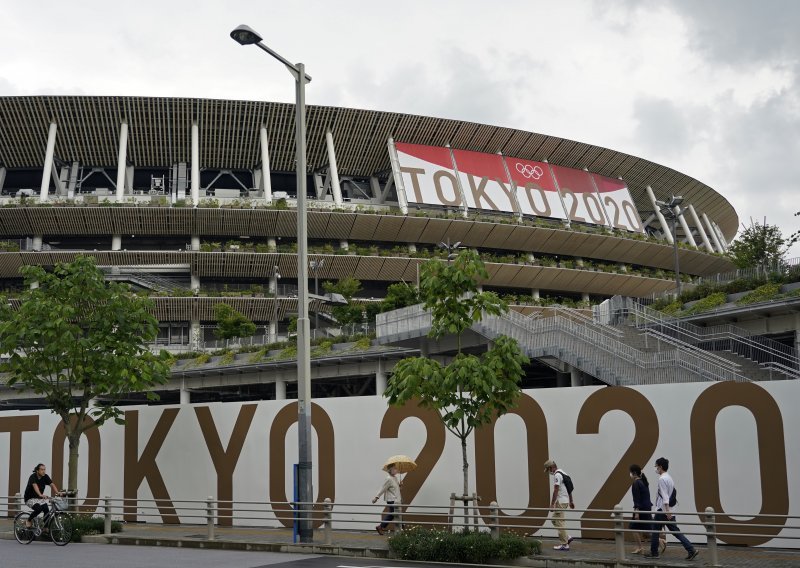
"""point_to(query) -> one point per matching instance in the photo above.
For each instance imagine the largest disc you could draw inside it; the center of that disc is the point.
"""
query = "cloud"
(661, 126)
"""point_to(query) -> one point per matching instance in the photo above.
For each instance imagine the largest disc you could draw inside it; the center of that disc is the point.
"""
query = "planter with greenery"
(433, 545)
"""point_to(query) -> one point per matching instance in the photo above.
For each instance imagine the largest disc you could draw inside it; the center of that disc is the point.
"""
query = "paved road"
(15, 555)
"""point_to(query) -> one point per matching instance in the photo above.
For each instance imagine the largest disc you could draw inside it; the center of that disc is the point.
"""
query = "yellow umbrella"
(404, 464)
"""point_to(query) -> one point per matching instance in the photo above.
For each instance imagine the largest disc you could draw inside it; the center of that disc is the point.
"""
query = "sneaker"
(692, 555)
(650, 555)
(564, 547)
(569, 540)
(662, 545)
(379, 529)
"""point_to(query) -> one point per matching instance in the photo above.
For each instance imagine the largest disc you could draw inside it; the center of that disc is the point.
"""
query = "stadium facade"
(193, 202)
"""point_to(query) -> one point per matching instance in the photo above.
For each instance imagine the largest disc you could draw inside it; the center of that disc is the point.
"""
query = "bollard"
(210, 517)
(328, 509)
(711, 535)
(495, 520)
(619, 536)
(107, 515)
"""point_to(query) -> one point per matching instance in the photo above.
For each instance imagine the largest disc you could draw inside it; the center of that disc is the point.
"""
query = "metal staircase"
(143, 278)
(596, 349)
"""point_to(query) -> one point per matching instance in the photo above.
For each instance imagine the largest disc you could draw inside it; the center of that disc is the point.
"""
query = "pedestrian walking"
(664, 515)
(561, 499)
(390, 491)
(642, 519)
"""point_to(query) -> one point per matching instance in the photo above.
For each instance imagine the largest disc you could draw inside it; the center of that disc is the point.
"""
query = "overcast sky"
(708, 87)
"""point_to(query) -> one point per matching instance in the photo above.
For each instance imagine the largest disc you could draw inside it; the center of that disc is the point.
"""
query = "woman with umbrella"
(390, 491)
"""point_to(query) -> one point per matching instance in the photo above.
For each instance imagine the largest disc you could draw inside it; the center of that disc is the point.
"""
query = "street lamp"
(315, 266)
(247, 36)
(451, 249)
(671, 211)
(277, 276)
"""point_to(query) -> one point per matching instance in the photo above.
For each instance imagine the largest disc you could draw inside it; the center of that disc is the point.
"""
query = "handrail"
(739, 341)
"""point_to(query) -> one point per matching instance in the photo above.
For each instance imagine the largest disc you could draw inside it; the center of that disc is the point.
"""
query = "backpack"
(567, 481)
(673, 499)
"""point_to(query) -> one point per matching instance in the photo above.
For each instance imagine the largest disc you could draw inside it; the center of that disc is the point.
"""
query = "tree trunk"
(466, 482)
(74, 439)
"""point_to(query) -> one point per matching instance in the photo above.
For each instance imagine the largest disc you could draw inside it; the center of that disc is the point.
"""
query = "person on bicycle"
(34, 492)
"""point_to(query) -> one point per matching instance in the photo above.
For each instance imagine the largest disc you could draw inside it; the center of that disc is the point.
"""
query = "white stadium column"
(194, 335)
(195, 164)
(398, 179)
(116, 242)
(48, 161)
(661, 220)
(380, 379)
(713, 233)
(37, 242)
(336, 188)
(700, 229)
(280, 390)
(2, 177)
(195, 240)
(122, 156)
(186, 397)
(194, 282)
(535, 293)
(272, 244)
(720, 236)
(266, 182)
(684, 225)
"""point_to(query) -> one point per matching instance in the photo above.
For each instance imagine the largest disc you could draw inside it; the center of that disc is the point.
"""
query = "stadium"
(193, 202)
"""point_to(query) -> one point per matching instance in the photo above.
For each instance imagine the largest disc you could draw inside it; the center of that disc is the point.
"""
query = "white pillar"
(194, 282)
(48, 161)
(720, 236)
(685, 225)
(272, 331)
(380, 380)
(700, 229)
(272, 244)
(280, 390)
(344, 245)
(266, 183)
(713, 233)
(195, 240)
(535, 293)
(584, 296)
(336, 189)
(116, 242)
(664, 225)
(575, 376)
(186, 397)
(37, 242)
(398, 178)
(121, 159)
(412, 247)
(195, 164)
(2, 177)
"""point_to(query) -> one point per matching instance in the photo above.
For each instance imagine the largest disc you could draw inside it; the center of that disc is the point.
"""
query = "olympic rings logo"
(529, 171)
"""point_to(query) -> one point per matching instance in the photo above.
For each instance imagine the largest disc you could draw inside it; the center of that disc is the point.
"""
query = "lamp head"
(245, 35)
(675, 200)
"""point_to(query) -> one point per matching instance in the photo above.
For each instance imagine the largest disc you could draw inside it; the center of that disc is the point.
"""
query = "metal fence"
(707, 526)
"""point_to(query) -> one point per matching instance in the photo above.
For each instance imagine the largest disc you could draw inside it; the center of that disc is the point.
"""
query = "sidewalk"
(355, 543)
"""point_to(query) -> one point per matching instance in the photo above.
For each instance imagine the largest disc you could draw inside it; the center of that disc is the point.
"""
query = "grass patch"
(432, 545)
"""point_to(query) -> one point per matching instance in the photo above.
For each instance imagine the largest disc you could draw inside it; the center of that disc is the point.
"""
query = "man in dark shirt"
(34, 492)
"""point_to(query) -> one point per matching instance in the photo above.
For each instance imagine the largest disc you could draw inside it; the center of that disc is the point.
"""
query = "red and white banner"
(484, 181)
(428, 175)
(579, 196)
(536, 192)
(619, 205)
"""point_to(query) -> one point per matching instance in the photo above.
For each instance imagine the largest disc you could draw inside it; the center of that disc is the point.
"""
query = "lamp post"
(247, 36)
(277, 275)
(668, 210)
(315, 266)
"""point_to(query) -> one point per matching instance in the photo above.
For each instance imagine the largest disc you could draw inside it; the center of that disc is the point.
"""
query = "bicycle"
(57, 522)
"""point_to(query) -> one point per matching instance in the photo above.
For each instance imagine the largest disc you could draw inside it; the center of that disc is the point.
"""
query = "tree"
(471, 390)
(76, 338)
(399, 295)
(758, 246)
(347, 287)
(231, 323)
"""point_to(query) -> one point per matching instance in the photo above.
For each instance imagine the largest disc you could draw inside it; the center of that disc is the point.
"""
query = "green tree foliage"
(77, 337)
(232, 323)
(399, 295)
(472, 389)
(347, 287)
(758, 246)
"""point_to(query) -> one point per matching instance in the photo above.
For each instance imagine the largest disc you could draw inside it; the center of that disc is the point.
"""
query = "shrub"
(432, 545)
(763, 293)
(86, 524)
(709, 302)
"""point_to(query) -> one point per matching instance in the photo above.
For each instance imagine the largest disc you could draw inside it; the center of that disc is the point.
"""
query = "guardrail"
(711, 526)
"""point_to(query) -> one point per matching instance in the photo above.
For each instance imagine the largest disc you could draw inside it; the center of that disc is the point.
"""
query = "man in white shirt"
(664, 516)
(559, 502)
